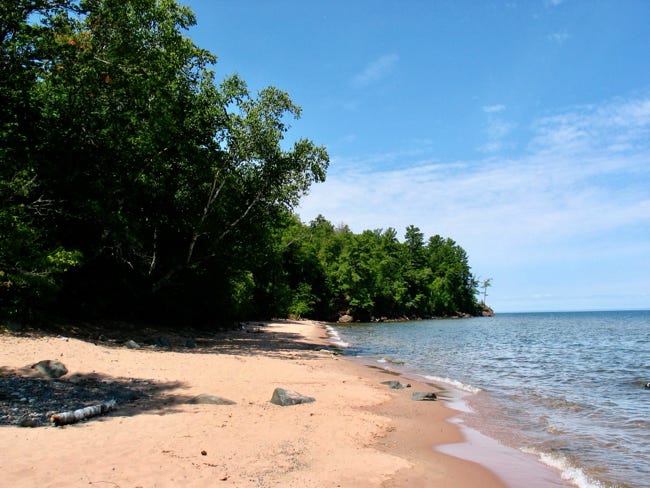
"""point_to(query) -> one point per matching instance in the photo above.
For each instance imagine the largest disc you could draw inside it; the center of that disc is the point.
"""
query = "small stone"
(131, 344)
(51, 368)
(163, 341)
(424, 396)
(205, 399)
(27, 422)
(204, 453)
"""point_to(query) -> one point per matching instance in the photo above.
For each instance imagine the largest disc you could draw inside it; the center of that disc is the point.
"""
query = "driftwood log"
(73, 416)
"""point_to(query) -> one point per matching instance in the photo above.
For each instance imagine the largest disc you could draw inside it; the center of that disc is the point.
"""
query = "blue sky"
(520, 129)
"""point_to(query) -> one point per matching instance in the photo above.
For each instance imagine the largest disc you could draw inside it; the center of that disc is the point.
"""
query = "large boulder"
(284, 397)
(346, 319)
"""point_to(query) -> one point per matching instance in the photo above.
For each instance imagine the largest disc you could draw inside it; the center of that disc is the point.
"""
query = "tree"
(485, 284)
(123, 160)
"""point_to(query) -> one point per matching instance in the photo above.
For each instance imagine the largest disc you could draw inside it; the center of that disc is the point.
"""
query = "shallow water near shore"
(565, 387)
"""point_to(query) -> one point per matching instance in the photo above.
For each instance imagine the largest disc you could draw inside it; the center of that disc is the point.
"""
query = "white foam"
(513, 466)
(568, 471)
(335, 338)
(455, 383)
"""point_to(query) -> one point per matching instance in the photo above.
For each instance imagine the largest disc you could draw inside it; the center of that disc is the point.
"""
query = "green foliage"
(118, 145)
(133, 184)
(333, 271)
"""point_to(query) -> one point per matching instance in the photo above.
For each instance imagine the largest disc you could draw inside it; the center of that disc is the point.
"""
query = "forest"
(135, 186)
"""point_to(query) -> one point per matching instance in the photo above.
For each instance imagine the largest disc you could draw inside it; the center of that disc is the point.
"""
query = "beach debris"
(284, 397)
(131, 344)
(71, 417)
(206, 399)
(395, 385)
(424, 396)
(50, 368)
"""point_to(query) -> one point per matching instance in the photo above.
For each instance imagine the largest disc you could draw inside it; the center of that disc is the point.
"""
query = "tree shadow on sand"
(30, 401)
(248, 339)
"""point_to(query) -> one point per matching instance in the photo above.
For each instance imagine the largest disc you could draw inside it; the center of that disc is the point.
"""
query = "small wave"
(569, 472)
(455, 383)
(335, 338)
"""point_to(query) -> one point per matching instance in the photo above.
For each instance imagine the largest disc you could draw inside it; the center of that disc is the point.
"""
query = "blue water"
(568, 387)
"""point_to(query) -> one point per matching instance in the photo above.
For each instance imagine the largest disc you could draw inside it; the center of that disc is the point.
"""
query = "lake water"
(566, 387)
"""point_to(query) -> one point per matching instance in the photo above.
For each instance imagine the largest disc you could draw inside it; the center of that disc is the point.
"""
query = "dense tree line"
(373, 275)
(133, 184)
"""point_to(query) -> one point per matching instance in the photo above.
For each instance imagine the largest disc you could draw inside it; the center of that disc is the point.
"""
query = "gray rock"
(395, 385)
(50, 368)
(424, 396)
(205, 399)
(131, 344)
(284, 397)
(163, 341)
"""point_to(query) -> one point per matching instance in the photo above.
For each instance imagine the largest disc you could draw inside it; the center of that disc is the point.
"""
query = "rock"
(205, 399)
(346, 319)
(131, 344)
(50, 368)
(647, 385)
(395, 385)
(163, 341)
(190, 343)
(28, 422)
(284, 397)
(424, 396)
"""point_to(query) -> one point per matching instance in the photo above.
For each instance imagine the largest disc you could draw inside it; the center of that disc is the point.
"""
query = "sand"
(358, 432)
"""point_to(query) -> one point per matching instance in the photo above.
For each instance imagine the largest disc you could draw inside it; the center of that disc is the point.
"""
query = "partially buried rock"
(284, 397)
(131, 344)
(205, 399)
(424, 396)
(50, 368)
(395, 385)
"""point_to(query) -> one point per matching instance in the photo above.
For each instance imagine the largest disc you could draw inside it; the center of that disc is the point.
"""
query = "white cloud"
(375, 71)
(574, 184)
(558, 37)
(490, 109)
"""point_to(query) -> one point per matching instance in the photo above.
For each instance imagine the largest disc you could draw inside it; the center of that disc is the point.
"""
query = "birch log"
(83, 413)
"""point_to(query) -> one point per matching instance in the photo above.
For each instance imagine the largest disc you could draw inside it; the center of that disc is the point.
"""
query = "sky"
(519, 129)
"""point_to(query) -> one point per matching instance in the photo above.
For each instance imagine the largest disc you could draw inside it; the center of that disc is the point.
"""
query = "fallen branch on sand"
(83, 413)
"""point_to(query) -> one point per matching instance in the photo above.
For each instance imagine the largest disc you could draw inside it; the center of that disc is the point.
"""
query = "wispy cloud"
(558, 37)
(375, 70)
(492, 109)
(585, 180)
(497, 129)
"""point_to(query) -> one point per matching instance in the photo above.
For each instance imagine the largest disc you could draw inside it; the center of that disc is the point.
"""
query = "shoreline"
(358, 432)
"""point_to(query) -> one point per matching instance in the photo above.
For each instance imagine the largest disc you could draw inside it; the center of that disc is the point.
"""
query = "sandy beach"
(357, 433)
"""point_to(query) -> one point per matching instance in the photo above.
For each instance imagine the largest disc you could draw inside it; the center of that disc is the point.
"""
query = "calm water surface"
(568, 387)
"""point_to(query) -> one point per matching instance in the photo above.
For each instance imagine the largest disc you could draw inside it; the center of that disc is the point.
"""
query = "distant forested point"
(135, 186)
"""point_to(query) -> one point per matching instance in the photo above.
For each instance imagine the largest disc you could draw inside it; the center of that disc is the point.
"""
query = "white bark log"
(83, 413)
